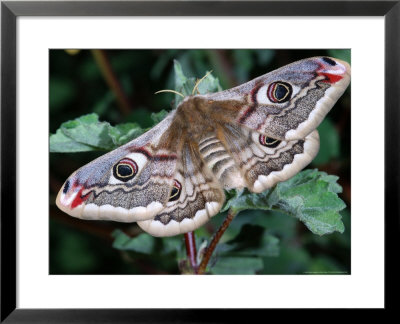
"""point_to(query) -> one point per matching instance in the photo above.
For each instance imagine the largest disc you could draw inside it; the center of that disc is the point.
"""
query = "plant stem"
(217, 236)
(191, 252)
(105, 67)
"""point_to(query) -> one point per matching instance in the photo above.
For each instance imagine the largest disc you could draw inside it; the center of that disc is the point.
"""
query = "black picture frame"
(11, 10)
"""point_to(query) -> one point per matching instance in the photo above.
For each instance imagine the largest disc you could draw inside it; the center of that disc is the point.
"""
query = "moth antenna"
(173, 91)
(199, 81)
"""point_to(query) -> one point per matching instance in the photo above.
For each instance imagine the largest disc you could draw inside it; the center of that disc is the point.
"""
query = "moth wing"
(288, 103)
(131, 183)
(197, 196)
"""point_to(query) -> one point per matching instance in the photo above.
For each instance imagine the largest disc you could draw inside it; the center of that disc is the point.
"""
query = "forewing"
(288, 103)
(131, 183)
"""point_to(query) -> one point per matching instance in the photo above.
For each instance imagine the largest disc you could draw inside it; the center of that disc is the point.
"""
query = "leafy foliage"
(87, 133)
(186, 85)
(257, 241)
(311, 196)
(142, 243)
(244, 253)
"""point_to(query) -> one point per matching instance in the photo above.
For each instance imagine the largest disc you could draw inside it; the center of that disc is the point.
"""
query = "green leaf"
(311, 196)
(185, 85)
(87, 133)
(143, 243)
(237, 265)
(158, 116)
(209, 84)
(123, 133)
(60, 143)
(243, 199)
(88, 130)
(169, 247)
(243, 254)
(180, 78)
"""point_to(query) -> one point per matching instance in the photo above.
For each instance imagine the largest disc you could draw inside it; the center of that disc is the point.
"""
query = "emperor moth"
(171, 179)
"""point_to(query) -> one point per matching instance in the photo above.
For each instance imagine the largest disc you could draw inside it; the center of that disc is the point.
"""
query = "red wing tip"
(333, 70)
(70, 199)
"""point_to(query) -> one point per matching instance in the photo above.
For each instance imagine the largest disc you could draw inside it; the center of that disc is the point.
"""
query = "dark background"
(78, 86)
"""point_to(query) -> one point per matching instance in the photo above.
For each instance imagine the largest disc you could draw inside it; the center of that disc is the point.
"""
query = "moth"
(171, 179)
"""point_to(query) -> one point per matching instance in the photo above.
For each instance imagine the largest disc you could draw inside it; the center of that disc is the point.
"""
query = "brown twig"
(191, 252)
(217, 236)
(111, 79)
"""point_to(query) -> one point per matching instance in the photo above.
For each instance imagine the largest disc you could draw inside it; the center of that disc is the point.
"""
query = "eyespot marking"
(125, 169)
(176, 191)
(268, 141)
(279, 92)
